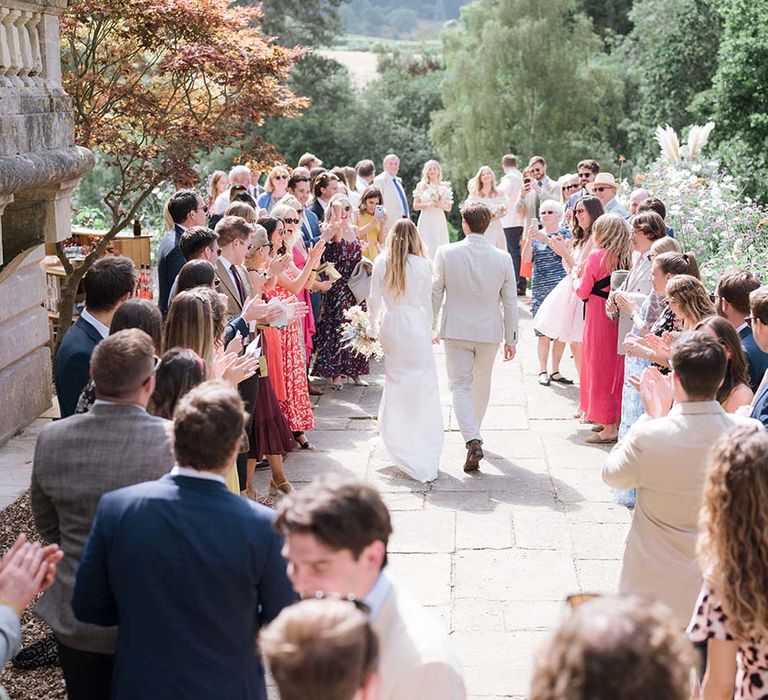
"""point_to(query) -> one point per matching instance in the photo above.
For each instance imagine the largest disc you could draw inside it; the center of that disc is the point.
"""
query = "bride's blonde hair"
(403, 240)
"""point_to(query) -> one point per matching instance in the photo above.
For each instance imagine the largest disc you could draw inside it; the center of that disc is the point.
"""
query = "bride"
(400, 305)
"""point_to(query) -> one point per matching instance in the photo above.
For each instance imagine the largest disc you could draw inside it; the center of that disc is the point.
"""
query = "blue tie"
(401, 194)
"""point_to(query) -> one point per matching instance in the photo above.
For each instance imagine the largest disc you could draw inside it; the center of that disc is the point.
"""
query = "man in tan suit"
(664, 456)
(392, 190)
(336, 532)
(477, 281)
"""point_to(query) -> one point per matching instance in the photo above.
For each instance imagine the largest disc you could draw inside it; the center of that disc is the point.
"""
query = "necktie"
(401, 194)
(238, 284)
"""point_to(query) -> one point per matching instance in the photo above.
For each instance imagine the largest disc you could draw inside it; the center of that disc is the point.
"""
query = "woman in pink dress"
(602, 368)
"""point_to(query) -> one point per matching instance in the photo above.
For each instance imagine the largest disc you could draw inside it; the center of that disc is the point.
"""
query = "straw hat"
(603, 180)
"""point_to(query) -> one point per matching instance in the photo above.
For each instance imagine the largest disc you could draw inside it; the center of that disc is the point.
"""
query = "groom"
(478, 282)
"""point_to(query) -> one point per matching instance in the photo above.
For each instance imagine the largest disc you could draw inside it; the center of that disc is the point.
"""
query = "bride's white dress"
(410, 420)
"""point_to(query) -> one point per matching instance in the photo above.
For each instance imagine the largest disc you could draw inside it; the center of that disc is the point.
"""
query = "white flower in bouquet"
(354, 334)
(445, 192)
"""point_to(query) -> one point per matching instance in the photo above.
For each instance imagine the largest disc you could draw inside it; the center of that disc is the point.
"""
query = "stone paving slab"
(491, 555)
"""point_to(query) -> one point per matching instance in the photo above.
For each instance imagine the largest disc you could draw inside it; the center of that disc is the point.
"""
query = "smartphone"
(526, 181)
(535, 222)
(379, 211)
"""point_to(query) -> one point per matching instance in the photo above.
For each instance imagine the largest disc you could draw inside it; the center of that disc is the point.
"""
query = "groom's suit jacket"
(480, 290)
(191, 572)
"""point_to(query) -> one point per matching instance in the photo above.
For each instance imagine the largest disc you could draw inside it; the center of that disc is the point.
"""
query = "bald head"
(636, 199)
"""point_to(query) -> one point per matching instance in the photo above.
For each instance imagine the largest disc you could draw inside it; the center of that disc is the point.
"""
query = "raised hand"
(22, 575)
(241, 369)
(235, 345)
(221, 363)
(316, 252)
(254, 309)
(297, 309)
(278, 264)
(656, 392)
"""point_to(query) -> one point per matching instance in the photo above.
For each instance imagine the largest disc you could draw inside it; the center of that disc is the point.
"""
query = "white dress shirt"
(197, 474)
(98, 325)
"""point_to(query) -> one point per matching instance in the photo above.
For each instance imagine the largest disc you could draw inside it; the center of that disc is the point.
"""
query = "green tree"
(305, 22)
(609, 16)
(531, 78)
(672, 55)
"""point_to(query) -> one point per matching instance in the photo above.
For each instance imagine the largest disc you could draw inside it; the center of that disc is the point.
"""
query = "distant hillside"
(398, 19)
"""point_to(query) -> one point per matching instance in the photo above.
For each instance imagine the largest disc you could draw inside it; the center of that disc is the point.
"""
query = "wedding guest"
(189, 620)
(688, 300)
(197, 273)
(298, 186)
(372, 222)
(732, 303)
(512, 222)
(324, 188)
(341, 174)
(432, 198)
(322, 649)
(336, 533)
(542, 184)
(25, 569)
(605, 188)
(134, 313)
(734, 391)
(234, 233)
(309, 161)
(758, 320)
(256, 190)
(109, 283)
(400, 306)
(350, 175)
(602, 369)
(196, 243)
(239, 175)
(655, 204)
(344, 249)
(77, 460)
(391, 187)
(217, 184)
(366, 171)
(561, 314)
(587, 171)
(296, 406)
(665, 458)
(482, 190)
(568, 184)
(541, 250)
(187, 209)
(179, 371)
(729, 616)
(636, 198)
(276, 186)
(610, 648)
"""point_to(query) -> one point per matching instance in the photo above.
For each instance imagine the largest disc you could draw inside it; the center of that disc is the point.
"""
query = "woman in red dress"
(602, 368)
(296, 406)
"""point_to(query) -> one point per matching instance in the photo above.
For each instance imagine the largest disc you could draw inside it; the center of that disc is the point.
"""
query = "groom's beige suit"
(478, 283)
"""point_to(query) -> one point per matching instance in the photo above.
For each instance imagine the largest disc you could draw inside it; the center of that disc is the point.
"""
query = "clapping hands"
(656, 392)
(25, 569)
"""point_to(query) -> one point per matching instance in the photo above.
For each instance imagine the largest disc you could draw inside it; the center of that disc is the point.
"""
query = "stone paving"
(493, 555)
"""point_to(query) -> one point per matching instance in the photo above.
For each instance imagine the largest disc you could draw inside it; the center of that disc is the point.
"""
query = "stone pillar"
(39, 168)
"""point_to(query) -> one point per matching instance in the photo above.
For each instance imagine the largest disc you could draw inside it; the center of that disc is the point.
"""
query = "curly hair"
(627, 647)
(595, 210)
(733, 526)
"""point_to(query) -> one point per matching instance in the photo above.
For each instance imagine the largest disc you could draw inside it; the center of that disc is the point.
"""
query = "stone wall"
(39, 168)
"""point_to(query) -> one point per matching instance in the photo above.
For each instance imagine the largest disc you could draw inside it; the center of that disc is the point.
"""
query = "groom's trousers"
(469, 365)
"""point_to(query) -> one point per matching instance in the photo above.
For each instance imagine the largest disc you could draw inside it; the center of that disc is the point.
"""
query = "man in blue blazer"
(187, 209)
(110, 281)
(187, 570)
(298, 186)
(758, 306)
(732, 303)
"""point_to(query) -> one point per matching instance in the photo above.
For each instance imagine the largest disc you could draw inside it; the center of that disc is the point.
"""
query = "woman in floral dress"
(296, 405)
(344, 250)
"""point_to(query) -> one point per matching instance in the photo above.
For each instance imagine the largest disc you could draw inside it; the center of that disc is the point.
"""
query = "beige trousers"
(469, 365)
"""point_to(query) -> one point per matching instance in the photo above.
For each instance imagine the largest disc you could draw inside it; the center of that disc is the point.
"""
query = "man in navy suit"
(110, 282)
(732, 303)
(758, 319)
(298, 186)
(187, 209)
(188, 570)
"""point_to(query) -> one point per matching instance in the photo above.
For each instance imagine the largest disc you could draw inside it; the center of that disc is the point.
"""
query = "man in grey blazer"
(77, 460)
(478, 283)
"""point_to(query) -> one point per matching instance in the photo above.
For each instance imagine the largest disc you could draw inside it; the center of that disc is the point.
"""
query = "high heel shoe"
(281, 489)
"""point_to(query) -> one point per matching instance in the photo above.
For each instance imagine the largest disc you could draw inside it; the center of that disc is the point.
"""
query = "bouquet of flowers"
(354, 334)
(436, 194)
(498, 210)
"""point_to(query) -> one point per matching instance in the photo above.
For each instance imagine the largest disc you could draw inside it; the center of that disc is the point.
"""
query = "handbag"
(360, 280)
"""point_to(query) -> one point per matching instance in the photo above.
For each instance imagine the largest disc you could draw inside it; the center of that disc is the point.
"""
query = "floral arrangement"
(441, 192)
(706, 208)
(354, 334)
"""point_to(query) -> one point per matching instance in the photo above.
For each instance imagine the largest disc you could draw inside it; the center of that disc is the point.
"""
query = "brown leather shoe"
(474, 455)
(315, 390)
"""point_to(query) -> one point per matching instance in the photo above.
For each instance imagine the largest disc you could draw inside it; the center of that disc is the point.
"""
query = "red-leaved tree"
(155, 82)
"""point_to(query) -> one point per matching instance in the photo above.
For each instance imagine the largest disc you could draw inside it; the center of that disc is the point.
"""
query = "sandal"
(306, 444)
(281, 489)
(597, 428)
(560, 379)
(545, 381)
(337, 387)
(267, 501)
(359, 382)
(597, 440)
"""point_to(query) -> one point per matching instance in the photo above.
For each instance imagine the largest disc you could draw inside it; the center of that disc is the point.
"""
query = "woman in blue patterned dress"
(544, 249)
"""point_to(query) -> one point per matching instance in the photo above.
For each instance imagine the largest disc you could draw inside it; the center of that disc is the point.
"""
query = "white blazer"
(392, 202)
(480, 290)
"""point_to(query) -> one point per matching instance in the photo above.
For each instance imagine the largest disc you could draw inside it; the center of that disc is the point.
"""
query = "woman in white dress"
(433, 198)
(482, 189)
(400, 307)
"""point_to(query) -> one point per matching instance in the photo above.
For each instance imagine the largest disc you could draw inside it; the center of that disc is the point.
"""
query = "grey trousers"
(469, 365)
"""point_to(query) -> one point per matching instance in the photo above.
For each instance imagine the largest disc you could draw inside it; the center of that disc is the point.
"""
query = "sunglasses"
(585, 175)
(279, 177)
(601, 189)
(548, 212)
(570, 187)
(204, 208)
(291, 221)
(750, 320)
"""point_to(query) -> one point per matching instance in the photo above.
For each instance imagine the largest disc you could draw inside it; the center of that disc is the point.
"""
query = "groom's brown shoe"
(474, 455)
